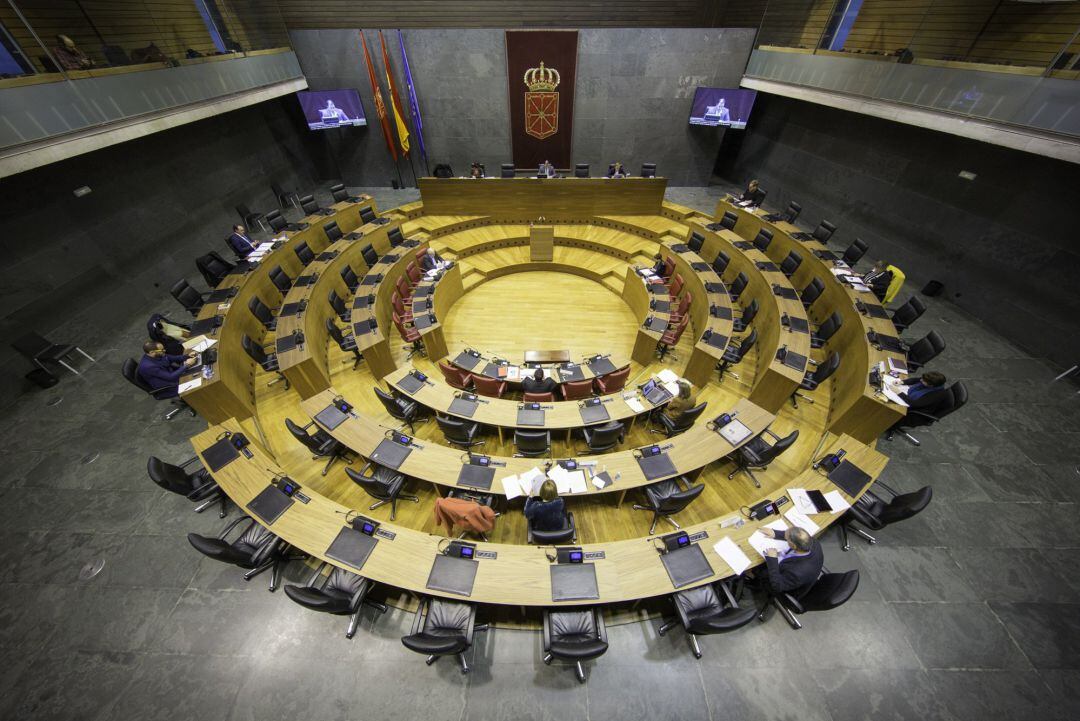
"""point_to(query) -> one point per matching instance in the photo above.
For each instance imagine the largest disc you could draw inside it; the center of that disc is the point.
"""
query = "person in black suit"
(239, 241)
(796, 568)
(658, 266)
(753, 193)
(162, 371)
(925, 392)
(538, 383)
(430, 261)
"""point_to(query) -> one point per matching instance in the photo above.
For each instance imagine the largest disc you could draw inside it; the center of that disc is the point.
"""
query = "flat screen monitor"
(332, 108)
(727, 107)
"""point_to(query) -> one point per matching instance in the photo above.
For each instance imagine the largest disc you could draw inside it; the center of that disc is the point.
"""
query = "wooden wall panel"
(794, 23)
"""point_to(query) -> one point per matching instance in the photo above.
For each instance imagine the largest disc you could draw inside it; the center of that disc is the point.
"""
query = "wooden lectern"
(541, 243)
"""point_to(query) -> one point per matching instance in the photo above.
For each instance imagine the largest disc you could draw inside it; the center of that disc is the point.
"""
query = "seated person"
(548, 512)
(160, 370)
(538, 383)
(69, 56)
(925, 392)
(616, 170)
(430, 261)
(753, 193)
(879, 279)
(659, 266)
(547, 170)
(240, 242)
(795, 569)
(684, 401)
(476, 171)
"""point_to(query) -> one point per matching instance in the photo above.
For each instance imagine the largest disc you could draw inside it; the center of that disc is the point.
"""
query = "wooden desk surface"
(520, 575)
(552, 198)
(587, 372)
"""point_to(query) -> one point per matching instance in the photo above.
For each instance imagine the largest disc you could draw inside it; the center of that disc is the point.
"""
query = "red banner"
(380, 107)
(541, 69)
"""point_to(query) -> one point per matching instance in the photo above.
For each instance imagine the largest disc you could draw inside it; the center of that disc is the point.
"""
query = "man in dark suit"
(538, 383)
(753, 193)
(430, 261)
(879, 279)
(925, 392)
(798, 567)
(240, 242)
(162, 371)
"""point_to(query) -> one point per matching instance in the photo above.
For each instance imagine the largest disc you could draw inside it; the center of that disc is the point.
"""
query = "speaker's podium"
(541, 243)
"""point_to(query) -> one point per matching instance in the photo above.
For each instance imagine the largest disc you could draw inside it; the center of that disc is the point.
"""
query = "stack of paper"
(801, 500)
(568, 481)
(801, 520)
(667, 376)
(526, 484)
(762, 543)
(733, 555)
(635, 404)
(188, 385)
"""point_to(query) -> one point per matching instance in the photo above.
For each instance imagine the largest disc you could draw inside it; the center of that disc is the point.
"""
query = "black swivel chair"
(792, 213)
(350, 278)
(566, 534)
(685, 420)
(383, 484)
(213, 268)
(267, 361)
(729, 220)
(824, 231)
(337, 304)
(333, 232)
(648, 170)
(367, 215)
(790, 264)
(340, 592)
(826, 330)
(407, 411)
(720, 263)
(39, 350)
(285, 197)
(443, 170)
(250, 218)
(734, 354)
(255, 549)
(395, 237)
(812, 292)
(320, 443)
(130, 371)
(507, 170)
(280, 279)
(276, 221)
(763, 240)
(186, 295)
(875, 512)
(340, 193)
(855, 251)
(532, 444)
(576, 635)
(743, 322)
(758, 453)
(702, 611)
(811, 381)
(309, 205)
(346, 343)
(696, 241)
(581, 170)
(906, 315)
(829, 591)
(195, 483)
(443, 627)
(924, 350)
(304, 253)
(603, 437)
(667, 498)
(369, 255)
(738, 286)
(459, 433)
(262, 313)
(915, 418)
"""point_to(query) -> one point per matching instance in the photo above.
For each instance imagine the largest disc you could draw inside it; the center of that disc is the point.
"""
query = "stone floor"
(968, 611)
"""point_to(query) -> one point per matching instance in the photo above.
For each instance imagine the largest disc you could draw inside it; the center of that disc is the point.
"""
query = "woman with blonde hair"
(684, 401)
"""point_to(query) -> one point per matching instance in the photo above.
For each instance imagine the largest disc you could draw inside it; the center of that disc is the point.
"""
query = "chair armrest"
(188, 461)
(770, 432)
(793, 603)
(204, 491)
(315, 574)
(361, 593)
(470, 627)
(728, 594)
(271, 546)
(418, 619)
(921, 414)
(601, 628)
(547, 630)
(234, 524)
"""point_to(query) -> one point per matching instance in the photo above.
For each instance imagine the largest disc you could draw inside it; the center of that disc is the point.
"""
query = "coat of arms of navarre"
(541, 102)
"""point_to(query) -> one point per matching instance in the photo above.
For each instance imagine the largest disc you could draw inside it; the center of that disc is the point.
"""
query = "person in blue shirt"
(240, 242)
(162, 371)
(925, 392)
(548, 511)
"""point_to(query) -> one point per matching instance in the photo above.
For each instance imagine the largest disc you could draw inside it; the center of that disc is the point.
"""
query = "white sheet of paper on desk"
(198, 344)
(635, 405)
(735, 432)
(576, 481)
(667, 376)
(188, 385)
(837, 502)
(801, 520)
(672, 388)
(802, 501)
(892, 395)
(531, 480)
(511, 487)
(733, 556)
(513, 373)
(762, 543)
(861, 287)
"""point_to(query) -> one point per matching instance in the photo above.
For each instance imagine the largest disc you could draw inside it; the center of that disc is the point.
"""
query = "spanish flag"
(395, 101)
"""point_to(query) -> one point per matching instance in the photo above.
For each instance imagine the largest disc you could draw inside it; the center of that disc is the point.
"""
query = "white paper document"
(511, 487)
(667, 376)
(802, 501)
(733, 556)
(892, 395)
(198, 344)
(672, 388)
(802, 521)
(189, 385)
(735, 433)
(762, 543)
(837, 502)
(635, 405)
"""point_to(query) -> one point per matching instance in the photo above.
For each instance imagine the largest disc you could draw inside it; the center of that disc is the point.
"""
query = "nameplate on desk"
(593, 556)
(489, 555)
(383, 533)
(699, 536)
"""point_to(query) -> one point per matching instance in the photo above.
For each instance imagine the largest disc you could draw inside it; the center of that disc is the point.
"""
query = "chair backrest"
(826, 369)
(485, 386)
(304, 252)
(824, 231)
(332, 231)
(696, 241)
(454, 375)
(339, 193)
(674, 334)
(793, 210)
(684, 303)
(677, 283)
(336, 302)
(532, 441)
(308, 204)
(261, 311)
(253, 349)
(390, 403)
(276, 221)
(606, 435)
(581, 170)
(301, 435)
(395, 300)
(688, 417)
(791, 264)
(906, 505)
(747, 343)
(537, 397)
(616, 380)
(507, 170)
(855, 251)
(669, 266)
(402, 286)
(172, 478)
(751, 312)
(780, 446)
(958, 396)
(740, 284)
(648, 170)
(280, 279)
(367, 214)
(412, 271)
(187, 296)
(832, 324)
(729, 220)
(830, 590)
(927, 348)
(910, 311)
(130, 371)
(374, 485)
(395, 237)
(812, 291)
(335, 333)
(720, 264)
(213, 268)
(680, 500)
(571, 628)
(763, 240)
(455, 429)
(369, 255)
(318, 599)
(351, 279)
(573, 390)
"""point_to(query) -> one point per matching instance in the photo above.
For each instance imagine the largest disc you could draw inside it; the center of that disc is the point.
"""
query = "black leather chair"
(826, 330)
(720, 263)
(443, 627)
(262, 313)
(812, 292)
(576, 635)
(875, 512)
(255, 549)
(763, 240)
(696, 241)
(824, 231)
(729, 220)
(811, 381)
(320, 443)
(186, 295)
(855, 251)
(790, 264)
(337, 304)
(340, 592)
(792, 213)
(339, 193)
(188, 480)
(280, 279)
(213, 268)
(367, 215)
(924, 350)
(685, 420)
(407, 411)
(304, 252)
(395, 237)
(829, 591)
(276, 221)
(459, 433)
(581, 170)
(383, 484)
(332, 231)
(958, 396)
(758, 453)
(603, 437)
(251, 219)
(350, 278)
(267, 361)
(155, 331)
(532, 444)
(702, 611)
(285, 197)
(904, 316)
(507, 170)
(734, 354)
(39, 350)
(346, 343)
(309, 205)
(566, 534)
(738, 286)
(743, 322)
(648, 170)
(130, 371)
(667, 498)
(369, 255)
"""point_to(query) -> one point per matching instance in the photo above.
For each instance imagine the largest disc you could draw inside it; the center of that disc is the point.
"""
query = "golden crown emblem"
(542, 79)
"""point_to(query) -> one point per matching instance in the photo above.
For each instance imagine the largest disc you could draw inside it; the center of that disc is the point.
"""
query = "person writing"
(753, 195)
(616, 170)
(925, 392)
(796, 568)
(162, 371)
(682, 402)
(69, 56)
(240, 242)
(538, 383)
(548, 512)
(430, 261)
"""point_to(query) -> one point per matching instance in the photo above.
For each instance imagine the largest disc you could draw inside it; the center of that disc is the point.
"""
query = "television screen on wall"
(331, 108)
(727, 107)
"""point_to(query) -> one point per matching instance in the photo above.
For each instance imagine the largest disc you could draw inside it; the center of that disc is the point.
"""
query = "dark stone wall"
(75, 267)
(1004, 244)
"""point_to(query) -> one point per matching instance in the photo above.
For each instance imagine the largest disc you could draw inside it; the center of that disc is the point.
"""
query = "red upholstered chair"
(491, 387)
(613, 382)
(684, 306)
(403, 288)
(669, 268)
(420, 253)
(410, 335)
(399, 308)
(413, 271)
(455, 376)
(538, 397)
(573, 390)
(671, 338)
(676, 285)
